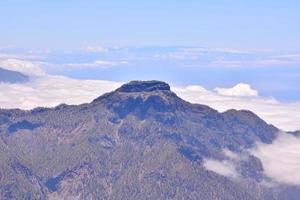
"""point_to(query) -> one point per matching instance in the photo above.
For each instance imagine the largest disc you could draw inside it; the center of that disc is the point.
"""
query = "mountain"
(8, 76)
(295, 133)
(140, 141)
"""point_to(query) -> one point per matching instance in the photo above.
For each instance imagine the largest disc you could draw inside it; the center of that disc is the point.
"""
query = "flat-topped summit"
(141, 128)
(144, 86)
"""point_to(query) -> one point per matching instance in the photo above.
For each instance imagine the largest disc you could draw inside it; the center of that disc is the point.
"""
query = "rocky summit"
(140, 141)
(144, 86)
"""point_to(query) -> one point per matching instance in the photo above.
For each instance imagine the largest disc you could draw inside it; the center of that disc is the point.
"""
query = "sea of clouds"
(281, 159)
(44, 90)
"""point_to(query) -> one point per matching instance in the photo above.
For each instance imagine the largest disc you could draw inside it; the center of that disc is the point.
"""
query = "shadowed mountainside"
(8, 76)
(140, 141)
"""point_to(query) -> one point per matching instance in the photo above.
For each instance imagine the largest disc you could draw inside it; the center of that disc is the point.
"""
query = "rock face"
(144, 86)
(140, 141)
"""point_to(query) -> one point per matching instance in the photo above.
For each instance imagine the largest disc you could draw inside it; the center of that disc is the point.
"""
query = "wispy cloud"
(226, 57)
(281, 159)
(23, 66)
(240, 90)
(21, 56)
(50, 91)
(224, 168)
(283, 115)
(291, 57)
(96, 49)
(242, 96)
(95, 64)
(198, 53)
(251, 63)
(259, 61)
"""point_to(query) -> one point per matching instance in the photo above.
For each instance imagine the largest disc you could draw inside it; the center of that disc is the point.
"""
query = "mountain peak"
(144, 86)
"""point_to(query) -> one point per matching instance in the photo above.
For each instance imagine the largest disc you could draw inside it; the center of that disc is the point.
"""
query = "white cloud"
(281, 159)
(224, 168)
(227, 57)
(230, 51)
(39, 51)
(195, 53)
(240, 90)
(96, 49)
(53, 90)
(231, 155)
(28, 56)
(285, 116)
(22, 66)
(49, 91)
(292, 57)
(96, 64)
(254, 63)
(46, 90)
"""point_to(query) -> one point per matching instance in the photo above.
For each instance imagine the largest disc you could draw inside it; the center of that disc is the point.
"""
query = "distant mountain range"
(140, 141)
(8, 76)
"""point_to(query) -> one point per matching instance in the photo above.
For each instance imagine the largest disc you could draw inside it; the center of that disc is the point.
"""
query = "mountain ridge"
(141, 134)
(10, 76)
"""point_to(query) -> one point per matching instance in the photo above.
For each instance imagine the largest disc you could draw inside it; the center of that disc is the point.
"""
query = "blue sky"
(216, 23)
(211, 43)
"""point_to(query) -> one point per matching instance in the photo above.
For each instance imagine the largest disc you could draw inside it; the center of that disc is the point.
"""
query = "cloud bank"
(224, 168)
(239, 90)
(48, 91)
(96, 64)
(96, 49)
(281, 159)
(23, 66)
(285, 116)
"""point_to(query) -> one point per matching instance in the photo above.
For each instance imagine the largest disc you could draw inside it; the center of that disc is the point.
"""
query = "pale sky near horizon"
(216, 23)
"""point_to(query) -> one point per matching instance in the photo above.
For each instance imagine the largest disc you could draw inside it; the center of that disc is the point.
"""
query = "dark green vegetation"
(138, 142)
